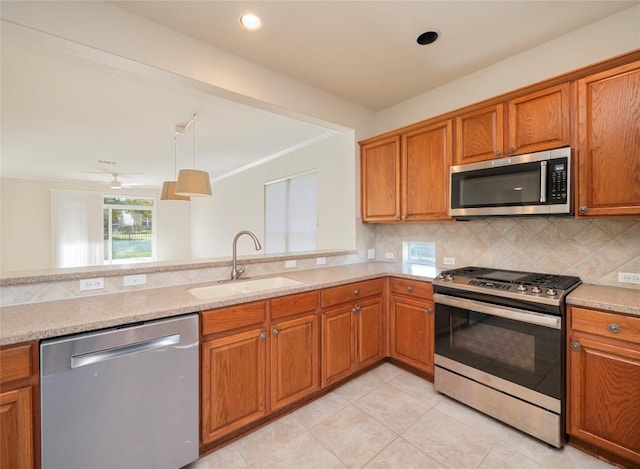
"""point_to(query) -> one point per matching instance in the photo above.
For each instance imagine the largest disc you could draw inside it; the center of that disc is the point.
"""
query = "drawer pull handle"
(357, 292)
(357, 309)
(575, 346)
(613, 327)
(409, 288)
(263, 336)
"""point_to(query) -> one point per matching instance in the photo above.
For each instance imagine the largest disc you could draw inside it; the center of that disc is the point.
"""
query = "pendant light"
(169, 187)
(193, 182)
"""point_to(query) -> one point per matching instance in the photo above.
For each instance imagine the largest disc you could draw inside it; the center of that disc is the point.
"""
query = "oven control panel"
(487, 284)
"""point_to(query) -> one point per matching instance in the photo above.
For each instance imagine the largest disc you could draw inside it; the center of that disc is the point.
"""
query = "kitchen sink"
(241, 287)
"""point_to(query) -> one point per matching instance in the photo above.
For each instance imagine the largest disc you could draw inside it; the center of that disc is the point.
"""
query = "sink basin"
(241, 287)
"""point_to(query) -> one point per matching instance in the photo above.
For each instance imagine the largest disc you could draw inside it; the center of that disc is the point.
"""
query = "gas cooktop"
(512, 283)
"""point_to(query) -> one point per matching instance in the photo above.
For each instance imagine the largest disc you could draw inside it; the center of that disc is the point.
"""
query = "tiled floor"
(389, 418)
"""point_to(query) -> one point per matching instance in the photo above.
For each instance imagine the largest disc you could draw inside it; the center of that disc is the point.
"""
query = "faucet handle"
(240, 270)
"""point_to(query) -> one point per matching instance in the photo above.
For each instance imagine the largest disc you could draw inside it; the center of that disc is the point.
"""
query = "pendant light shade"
(169, 192)
(194, 183)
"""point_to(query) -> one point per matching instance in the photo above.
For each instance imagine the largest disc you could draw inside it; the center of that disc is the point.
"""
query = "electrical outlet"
(290, 264)
(388, 255)
(131, 280)
(91, 284)
(629, 277)
(449, 261)
(321, 260)
(371, 254)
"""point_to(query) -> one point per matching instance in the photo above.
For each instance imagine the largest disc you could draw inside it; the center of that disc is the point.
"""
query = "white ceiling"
(366, 51)
(61, 113)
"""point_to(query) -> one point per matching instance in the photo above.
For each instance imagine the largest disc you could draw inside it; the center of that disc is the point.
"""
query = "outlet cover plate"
(91, 284)
(629, 277)
(132, 280)
(449, 261)
(371, 254)
(290, 264)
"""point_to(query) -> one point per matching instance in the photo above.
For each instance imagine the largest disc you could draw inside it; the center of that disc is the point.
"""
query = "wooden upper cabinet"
(479, 134)
(380, 180)
(539, 121)
(426, 157)
(609, 142)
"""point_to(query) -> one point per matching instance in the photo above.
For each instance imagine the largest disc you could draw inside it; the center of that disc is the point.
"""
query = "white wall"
(25, 242)
(607, 38)
(216, 220)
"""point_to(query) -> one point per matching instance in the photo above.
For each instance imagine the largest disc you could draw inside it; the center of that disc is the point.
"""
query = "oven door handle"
(531, 317)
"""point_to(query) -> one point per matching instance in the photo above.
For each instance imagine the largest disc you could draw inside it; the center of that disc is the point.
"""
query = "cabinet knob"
(397, 217)
(357, 292)
(357, 309)
(498, 153)
(404, 217)
(512, 149)
(429, 309)
(409, 288)
(583, 210)
(263, 336)
(613, 327)
(575, 346)
(276, 332)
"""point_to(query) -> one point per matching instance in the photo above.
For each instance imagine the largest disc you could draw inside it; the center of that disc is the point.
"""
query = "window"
(128, 229)
(291, 208)
(419, 253)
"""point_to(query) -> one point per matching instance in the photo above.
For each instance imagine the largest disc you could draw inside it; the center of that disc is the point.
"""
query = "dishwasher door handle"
(116, 352)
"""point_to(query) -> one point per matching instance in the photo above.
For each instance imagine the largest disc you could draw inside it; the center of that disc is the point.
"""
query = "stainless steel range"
(500, 345)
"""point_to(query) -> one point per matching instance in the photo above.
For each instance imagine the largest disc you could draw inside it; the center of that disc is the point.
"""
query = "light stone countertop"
(606, 298)
(37, 321)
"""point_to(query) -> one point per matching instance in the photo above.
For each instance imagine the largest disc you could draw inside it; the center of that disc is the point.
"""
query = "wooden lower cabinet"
(18, 406)
(337, 344)
(411, 323)
(368, 332)
(604, 382)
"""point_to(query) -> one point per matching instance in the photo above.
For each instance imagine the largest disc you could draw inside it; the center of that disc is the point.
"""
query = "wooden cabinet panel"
(338, 344)
(380, 180)
(539, 121)
(290, 305)
(368, 330)
(233, 382)
(294, 360)
(413, 288)
(426, 157)
(411, 332)
(608, 143)
(233, 317)
(479, 134)
(17, 361)
(609, 325)
(16, 421)
(351, 292)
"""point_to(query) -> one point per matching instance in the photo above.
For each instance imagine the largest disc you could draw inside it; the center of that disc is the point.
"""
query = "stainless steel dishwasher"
(121, 398)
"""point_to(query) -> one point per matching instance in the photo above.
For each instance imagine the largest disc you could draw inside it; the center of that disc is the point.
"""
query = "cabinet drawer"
(233, 317)
(615, 326)
(414, 288)
(352, 291)
(16, 361)
(293, 304)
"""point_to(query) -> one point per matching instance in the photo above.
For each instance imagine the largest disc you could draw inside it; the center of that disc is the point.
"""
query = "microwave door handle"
(543, 181)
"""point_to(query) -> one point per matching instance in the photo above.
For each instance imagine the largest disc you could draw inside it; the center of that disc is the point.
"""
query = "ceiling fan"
(117, 184)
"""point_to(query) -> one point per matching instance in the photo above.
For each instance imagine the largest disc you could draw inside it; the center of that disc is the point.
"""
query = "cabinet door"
(540, 121)
(380, 180)
(411, 332)
(337, 344)
(294, 360)
(368, 330)
(233, 382)
(426, 157)
(604, 395)
(608, 142)
(16, 436)
(479, 135)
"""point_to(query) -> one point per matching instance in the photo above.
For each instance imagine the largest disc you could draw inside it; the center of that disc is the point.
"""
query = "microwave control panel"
(559, 180)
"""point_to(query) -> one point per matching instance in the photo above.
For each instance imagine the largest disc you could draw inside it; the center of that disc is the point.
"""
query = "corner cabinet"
(353, 328)
(609, 142)
(603, 368)
(411, 323)
(405, 177)
(536, 121)
(19, 397)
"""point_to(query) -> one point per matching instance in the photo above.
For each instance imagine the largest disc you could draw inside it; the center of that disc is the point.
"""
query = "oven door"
(512, 350)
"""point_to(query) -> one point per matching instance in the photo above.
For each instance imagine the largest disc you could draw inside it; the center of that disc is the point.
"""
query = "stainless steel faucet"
(235, 271)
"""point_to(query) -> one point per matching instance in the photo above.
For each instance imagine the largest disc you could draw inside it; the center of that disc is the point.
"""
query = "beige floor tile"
(317, 411)
(255, 446)
(228, 457)
(392, 407)
(302, 452)
(449, 441)
(472, 417)
(401, 454)
(353, 436)
(416, 387)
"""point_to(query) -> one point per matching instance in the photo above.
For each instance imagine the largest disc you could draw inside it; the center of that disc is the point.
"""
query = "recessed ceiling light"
(250, 21)
(428, 37)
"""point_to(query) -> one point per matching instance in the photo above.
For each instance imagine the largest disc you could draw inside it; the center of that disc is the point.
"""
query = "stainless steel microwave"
(531, 184)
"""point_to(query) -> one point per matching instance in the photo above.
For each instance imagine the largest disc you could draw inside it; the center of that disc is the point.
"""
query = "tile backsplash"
(594, 250)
